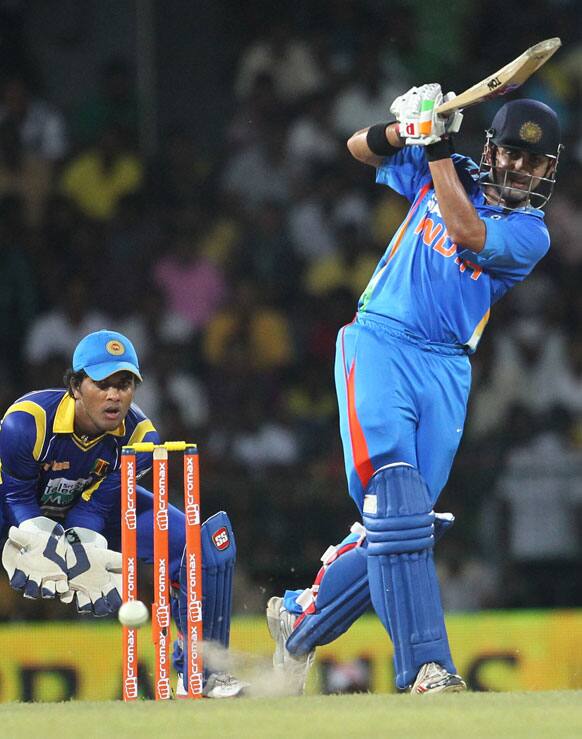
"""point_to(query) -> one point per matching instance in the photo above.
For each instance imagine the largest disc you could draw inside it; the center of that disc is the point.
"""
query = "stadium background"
(229, 235)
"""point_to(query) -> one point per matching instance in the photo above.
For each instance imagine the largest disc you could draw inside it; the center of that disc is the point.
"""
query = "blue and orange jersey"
(432, 287)
(49, 470)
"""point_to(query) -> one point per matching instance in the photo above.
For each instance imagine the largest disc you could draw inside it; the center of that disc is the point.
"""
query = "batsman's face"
(101, 406)
(517, 173)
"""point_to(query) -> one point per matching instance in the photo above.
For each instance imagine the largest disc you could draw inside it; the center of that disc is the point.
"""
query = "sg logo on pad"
(220, 539)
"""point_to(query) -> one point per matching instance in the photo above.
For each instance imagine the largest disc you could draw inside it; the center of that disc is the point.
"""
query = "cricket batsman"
(60, 499)
(403, 373)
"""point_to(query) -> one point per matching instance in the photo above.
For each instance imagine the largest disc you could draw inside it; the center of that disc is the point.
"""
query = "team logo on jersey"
(115, 347)
(530, 132)
(220, 539)
(100, 467)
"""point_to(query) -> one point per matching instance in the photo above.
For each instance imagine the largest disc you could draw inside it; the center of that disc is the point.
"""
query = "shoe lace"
(223, 678)
(430, 670)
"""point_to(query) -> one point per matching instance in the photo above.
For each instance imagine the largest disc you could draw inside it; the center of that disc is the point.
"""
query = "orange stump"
(161, 604)
(129, 571)
(193, 570)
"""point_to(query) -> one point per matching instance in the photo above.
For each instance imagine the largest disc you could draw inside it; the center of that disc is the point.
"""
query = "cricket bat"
(506, 79)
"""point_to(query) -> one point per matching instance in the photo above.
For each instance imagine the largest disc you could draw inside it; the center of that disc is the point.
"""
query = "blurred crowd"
(232, 268)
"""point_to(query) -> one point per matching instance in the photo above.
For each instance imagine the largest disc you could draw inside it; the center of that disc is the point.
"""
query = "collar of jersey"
(64, 422)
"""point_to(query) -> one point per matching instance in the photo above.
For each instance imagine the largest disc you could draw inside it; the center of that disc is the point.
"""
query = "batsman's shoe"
(293, 668)
(218, 685)
(223, 685)
(432, 678)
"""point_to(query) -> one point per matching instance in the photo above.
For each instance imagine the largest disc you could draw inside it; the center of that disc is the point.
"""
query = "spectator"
(324, 201)
(349, 267)
(253, 113)
(32, 144)
(96, 179)
(54, 334)
(565, 221)
(265, 253)
(240, 318)
(310, 406)
(540, 514)
(38, 128)
(193, 287)
(310, 214)
(130, 240)
(468, 582)
(178, 397)
(263, 164)
(310, 139)
(366, 98)
(81, 255)
(262, 333)
(260, 439)
(528, 366)
(568, 391)
(293, 65)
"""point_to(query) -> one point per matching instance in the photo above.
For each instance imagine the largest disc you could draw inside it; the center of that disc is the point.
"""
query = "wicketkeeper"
(60, 499)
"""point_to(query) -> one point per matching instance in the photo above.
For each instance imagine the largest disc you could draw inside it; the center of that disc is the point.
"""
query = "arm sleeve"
(405, 172)
(19, 472)
(513, 245)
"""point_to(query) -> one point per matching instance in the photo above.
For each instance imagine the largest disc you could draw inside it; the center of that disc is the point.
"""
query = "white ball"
(133, 613)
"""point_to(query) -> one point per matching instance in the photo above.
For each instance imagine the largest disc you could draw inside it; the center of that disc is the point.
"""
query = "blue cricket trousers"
(400, 399)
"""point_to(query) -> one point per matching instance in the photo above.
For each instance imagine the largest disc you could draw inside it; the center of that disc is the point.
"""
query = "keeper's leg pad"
(338, 597)
(218, 559)
(404, 588)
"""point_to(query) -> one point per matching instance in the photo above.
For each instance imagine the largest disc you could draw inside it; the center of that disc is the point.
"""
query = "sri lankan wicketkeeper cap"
(103, 353)
(527, 124)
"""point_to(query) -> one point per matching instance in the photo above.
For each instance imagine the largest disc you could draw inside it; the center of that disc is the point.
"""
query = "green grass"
(512, 715)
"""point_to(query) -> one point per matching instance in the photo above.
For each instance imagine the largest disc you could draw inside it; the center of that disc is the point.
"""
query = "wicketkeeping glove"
(34, 558)
(416, 113)
(94, 573)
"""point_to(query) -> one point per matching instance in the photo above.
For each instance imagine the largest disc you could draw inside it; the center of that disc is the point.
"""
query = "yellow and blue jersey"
(48, 469)
(428, 285)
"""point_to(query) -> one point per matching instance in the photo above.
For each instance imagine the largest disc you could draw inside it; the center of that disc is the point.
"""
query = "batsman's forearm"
(463, 224)
(359, 148)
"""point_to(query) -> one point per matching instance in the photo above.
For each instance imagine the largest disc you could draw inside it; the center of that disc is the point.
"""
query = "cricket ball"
(133, 613)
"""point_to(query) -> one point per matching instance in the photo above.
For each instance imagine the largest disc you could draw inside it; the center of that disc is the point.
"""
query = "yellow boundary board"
(518, 650)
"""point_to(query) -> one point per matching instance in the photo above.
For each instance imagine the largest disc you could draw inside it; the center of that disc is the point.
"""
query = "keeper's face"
(102, 405)
(517, 173)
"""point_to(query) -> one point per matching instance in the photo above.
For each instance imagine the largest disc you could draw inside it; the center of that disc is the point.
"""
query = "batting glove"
(34, 558)
(418, 120)
(94, 573)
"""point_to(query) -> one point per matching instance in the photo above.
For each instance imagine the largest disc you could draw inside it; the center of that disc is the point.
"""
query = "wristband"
(377, 141)
(440, 150)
